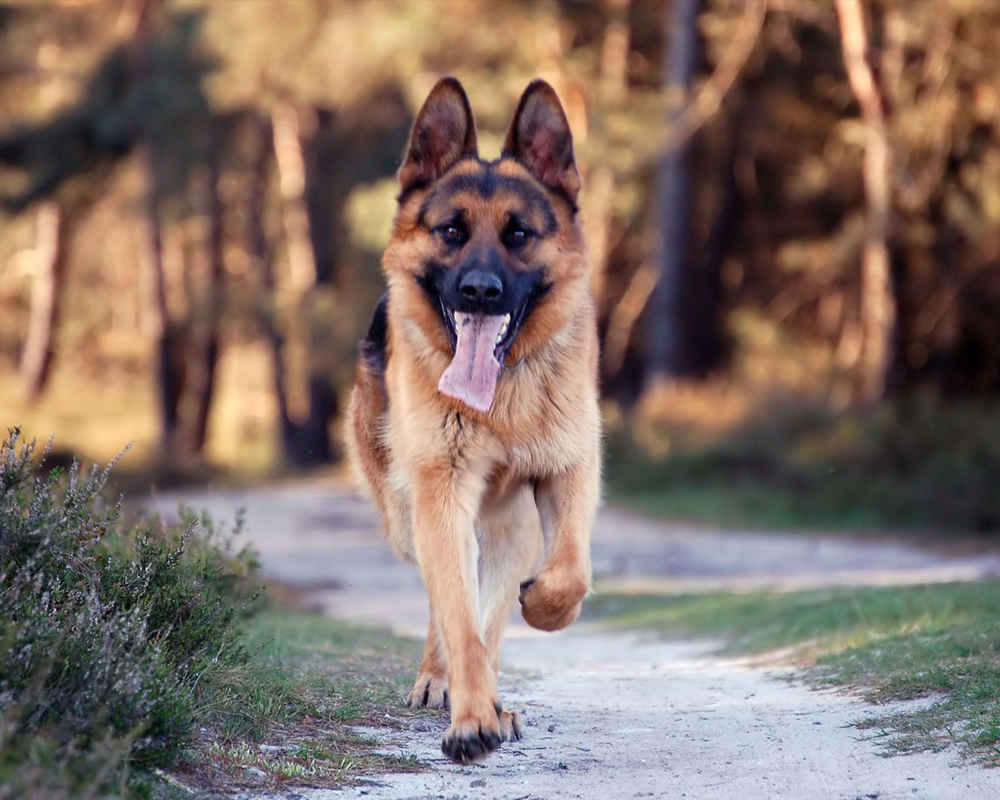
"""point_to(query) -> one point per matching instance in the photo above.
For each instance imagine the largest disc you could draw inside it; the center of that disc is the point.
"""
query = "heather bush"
(111, 634)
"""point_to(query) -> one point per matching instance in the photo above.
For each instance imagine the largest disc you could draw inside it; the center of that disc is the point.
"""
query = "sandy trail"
(613, 716)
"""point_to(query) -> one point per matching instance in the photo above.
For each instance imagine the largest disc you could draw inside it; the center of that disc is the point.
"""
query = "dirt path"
(620, 716)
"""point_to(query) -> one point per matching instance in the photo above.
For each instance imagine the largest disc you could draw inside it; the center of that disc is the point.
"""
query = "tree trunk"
(313, 403)
(136, 24)
(292, 183)
(666, 342)
(260, 248)
(599, 197)
(878, 301)
(50, 256)
(313, 445)
(167, 350)
(205, 385)
(307, 442)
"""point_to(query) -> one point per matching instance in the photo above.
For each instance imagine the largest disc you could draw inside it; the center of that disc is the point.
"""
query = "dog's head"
(486, 256)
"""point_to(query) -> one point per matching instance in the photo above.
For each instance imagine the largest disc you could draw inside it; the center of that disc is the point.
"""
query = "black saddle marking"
(373, 346)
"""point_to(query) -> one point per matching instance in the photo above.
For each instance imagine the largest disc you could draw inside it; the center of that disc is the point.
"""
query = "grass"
(939, 641)
(912, 465)
(284, 719)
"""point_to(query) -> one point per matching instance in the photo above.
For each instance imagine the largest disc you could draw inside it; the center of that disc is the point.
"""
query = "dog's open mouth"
(481, 344)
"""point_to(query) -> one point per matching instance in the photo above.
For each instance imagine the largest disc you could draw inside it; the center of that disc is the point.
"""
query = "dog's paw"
(470, 740)
(429, 691)
(552, 600)
(510, 726)
(474, 737)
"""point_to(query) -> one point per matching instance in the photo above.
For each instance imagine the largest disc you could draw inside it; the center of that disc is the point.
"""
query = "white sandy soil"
(622, 716)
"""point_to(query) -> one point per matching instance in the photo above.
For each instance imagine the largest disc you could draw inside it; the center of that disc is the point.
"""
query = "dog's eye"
(516, 236)
(453, 235)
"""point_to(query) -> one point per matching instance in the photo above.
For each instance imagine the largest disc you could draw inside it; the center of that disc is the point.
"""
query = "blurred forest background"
(793, 207)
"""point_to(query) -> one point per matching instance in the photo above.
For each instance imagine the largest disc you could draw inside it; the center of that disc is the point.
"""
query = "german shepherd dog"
(474, 416)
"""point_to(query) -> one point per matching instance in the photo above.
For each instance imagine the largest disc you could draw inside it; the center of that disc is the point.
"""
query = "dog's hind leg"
(510, 542)
(431, 687)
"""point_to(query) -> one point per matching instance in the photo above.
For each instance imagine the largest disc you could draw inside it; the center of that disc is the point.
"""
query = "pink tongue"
(472, 374)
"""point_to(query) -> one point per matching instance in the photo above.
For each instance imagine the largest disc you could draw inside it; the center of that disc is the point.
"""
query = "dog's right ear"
(443, 133)
(539, 137)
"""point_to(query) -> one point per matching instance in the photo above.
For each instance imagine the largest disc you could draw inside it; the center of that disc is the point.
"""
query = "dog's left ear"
(443, 133)
(539, 137)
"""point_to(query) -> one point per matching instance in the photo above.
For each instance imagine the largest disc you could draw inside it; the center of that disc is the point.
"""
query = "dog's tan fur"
(484, 501)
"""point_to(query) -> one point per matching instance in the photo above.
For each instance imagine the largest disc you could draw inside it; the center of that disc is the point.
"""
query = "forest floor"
(624, 714)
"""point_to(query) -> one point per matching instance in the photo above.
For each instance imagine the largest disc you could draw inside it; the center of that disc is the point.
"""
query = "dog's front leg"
(567, 503)
(444, 506)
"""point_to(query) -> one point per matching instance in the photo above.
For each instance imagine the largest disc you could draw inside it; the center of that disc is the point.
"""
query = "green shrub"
(111, 633)
(915, 463)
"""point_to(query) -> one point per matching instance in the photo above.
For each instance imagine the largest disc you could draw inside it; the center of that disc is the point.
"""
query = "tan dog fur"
(480, 501)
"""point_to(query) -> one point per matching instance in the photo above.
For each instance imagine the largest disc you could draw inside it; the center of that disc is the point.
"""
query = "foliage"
(910, 464)
(776, 233)
(938, 641)
(777, 204)
(111, 634)
(127, 646)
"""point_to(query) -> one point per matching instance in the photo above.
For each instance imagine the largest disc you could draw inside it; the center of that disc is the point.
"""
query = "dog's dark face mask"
(483, 303)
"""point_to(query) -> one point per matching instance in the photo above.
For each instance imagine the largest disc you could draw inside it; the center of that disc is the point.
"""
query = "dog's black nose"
(480, 286)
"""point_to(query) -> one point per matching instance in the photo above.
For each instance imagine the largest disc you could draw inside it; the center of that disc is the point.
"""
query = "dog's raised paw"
(429, 691)
(551, 600)
(467, 742)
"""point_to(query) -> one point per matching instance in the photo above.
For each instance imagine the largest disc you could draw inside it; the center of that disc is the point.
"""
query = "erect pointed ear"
(539, 137)
(443, 133)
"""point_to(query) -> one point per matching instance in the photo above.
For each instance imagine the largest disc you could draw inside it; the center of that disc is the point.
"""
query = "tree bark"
(599, 197)
(292, 183)
(167, 350)
(50, 256)
(205, 387)
(878, 301)
(664, 329)
(307, 442)
(313, 403)
(136, 25)
(260, 248)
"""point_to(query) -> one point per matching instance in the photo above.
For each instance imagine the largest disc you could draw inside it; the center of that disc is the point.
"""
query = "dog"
(474, 417)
